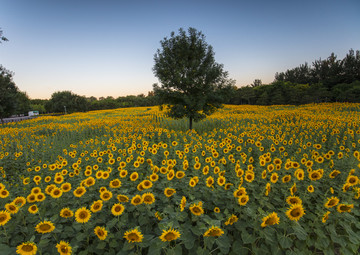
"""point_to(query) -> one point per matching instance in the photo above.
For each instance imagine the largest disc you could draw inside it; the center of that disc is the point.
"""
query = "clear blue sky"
(106, 48)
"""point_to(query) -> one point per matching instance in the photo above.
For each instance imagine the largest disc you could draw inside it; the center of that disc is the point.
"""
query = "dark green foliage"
(328, 80)
(2, 38)
(193, 85)
(62, 101)
(8, 94)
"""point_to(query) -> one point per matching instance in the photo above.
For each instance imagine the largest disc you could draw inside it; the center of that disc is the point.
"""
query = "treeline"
(12, 100)
(67, 101)
(328, 80)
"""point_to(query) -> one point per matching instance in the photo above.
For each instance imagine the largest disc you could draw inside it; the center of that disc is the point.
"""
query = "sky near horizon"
(106, 48)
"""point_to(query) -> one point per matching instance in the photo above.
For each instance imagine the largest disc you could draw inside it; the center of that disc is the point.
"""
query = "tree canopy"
(193, 85)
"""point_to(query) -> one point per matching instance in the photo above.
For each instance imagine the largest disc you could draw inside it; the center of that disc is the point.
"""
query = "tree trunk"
(190, 123)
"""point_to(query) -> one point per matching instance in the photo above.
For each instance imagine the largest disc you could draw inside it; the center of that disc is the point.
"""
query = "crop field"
(246, 180)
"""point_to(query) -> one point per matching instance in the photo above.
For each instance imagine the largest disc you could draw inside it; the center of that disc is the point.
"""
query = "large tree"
(193, 85)
(8, 94)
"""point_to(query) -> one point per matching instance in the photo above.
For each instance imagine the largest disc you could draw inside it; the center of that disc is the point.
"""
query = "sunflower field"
(246, 180)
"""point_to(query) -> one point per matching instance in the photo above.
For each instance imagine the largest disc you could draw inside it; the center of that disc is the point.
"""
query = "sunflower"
(66, 213)
(147, 184)
(170, 175)
(90, 181)
(310, 189)
(344, 208)
(100, 232)
(122, 198)
(197, 209)
(293, 189)
(231, 220)
(274, 177)
(148, 198)
(11, 208)
(169, 192)
(158, 216)
(56, 193)
(5, 216)
(133, 236)
(33, 209)
(334, 173)
(40, 197)
(249, 176)
(82, 215)
(134, 176)
(180, 174)
(27, 248)
(31, 198)
(192, 183)
(270, 219)
(331, 202)
(267, 189)
(286, 178)
(154, 177)
(96, 206)
(106, 195)
(117, 209)
(214, 231)
(352, 180)
(79, 191)
(45, 227)
(299, 174)
(123, 173)
(239, 192)
(116, 183)
(263, 174)
(295, 212)
(136, 200)
(325, 217)
(292, 200)
(243, 199)
(221, 181)
(63, 248)
(20, 201)
(210, 181)
(65, 187)
(169, 235)
(216, 210)
(315, 175)
(182, 203)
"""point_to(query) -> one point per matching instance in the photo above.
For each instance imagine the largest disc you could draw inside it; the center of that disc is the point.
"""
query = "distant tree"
(256, 83)
(66, 101)
(8, 94)
(2, 38)
(23, 103)
(193, 85)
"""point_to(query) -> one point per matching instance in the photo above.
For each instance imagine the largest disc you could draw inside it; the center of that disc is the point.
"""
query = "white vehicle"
(33, 113)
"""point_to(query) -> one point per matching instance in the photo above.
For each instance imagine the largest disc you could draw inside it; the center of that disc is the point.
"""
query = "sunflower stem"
(6, 236)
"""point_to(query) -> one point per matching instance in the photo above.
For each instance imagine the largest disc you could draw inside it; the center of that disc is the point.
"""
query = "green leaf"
(112, 223)
(6, 250)
(285, 242)
(246, 238)
(114, 243)
(43, 242)
(209, 242)
(80, 237)
(300, 232)
(101, 245)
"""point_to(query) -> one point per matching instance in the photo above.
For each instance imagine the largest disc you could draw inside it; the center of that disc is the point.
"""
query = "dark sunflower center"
(133, 236)
(27, 247)
(196, 209)
(170, 236)
(295, 213)
(45, 227)
(82, 215)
